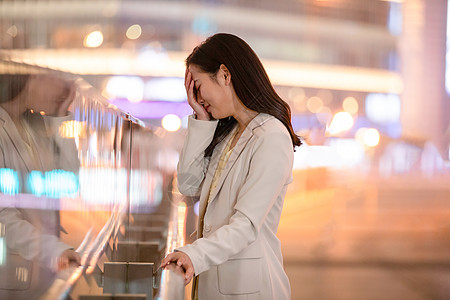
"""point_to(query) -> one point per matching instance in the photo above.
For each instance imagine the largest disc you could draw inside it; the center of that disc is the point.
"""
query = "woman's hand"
(182, 260)
(68, 257)
(199, 110)
(64, 105)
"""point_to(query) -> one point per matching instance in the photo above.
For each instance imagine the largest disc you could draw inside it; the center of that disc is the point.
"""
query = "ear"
(225, 74)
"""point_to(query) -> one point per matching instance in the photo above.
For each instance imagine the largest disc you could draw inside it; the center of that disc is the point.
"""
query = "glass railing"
(86, 202)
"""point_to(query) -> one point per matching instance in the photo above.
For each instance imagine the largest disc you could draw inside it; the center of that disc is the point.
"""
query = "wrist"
(202, 118)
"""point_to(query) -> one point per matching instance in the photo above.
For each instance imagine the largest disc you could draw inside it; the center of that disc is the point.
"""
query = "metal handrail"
(172, 285)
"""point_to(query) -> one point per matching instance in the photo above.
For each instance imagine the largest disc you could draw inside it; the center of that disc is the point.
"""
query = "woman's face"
(46, 93)
(214, 95)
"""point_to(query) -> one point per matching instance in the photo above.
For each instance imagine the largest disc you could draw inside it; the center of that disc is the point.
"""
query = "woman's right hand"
(198, 108)
(182, 260)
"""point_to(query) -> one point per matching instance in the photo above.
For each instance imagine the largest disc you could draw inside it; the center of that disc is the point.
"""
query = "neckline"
(229, 148)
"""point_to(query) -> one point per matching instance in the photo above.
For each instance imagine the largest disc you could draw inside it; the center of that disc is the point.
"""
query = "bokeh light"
(350, 105)
(129, 87)
(314, 104)
(383, 108)
(171, 122)
(93, 39)
(134, 32)
(342, 121)
(371, 137)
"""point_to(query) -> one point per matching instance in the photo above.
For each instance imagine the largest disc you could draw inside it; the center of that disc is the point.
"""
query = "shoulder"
(270, 126)
(271, 135)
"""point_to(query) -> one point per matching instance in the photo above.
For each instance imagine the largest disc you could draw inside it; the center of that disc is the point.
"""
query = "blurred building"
(388, 56)
(368, 84)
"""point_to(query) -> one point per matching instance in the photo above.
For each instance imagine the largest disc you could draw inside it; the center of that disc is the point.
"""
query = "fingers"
(189, 85)
(166, 260)
(189, 273)
(191, 97)
(182, 260)
(64, 106)
(75, 257)
(169, 258)
(193, 100)
(63, 262)
(186, 281)
(186, 79)
(67, 257)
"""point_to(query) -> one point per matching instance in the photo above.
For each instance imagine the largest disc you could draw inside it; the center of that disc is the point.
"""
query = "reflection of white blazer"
(239, 256)
(33, 233)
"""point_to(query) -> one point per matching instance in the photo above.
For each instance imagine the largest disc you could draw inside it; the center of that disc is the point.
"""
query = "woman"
(238, 159)
(30, 142)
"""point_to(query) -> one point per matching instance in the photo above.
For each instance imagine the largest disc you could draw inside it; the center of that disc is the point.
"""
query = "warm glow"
(359, 135)
(171, 122)
(350, 105)
(371, 137)
(93, 39)
(314, 104)
(135, 97)
(134, 32)
(129, 87)
(340, 153)
(165, 89)
(342, 121)
(299, 102)
(182, 213)
(71, 129)
(383, 108)
(120, 61)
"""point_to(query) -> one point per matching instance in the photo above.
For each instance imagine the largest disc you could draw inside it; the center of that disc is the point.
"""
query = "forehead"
(196, 72)
(50, 84)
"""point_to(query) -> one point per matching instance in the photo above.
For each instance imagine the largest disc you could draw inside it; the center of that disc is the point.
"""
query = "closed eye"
(196, 91)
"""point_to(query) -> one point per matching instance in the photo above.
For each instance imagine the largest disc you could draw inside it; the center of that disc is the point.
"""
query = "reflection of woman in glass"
(238, 158)
(31, 109)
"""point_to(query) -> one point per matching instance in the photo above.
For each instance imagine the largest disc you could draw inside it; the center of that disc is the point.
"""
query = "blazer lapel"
(16, 139)
(209, 176)
(237, 150)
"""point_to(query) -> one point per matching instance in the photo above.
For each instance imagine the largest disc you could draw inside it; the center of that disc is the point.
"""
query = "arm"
(270, 170)
(192, 164)
(22, 237)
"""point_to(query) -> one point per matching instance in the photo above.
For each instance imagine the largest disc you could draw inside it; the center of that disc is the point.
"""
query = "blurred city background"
(368, 83)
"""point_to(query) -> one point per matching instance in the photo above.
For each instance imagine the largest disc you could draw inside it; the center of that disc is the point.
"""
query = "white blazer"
(239, 255)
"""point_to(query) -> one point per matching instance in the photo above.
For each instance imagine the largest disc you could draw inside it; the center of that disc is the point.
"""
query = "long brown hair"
(11, 85)
(250, 81)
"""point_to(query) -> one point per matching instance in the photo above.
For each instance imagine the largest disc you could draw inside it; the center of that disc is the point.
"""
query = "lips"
(207, 107)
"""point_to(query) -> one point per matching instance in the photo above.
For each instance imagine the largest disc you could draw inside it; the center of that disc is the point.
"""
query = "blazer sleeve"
(25, 239)
(269, 171)
(192, 165)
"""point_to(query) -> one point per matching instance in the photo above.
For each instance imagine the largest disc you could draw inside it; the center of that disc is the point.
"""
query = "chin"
(218, 116)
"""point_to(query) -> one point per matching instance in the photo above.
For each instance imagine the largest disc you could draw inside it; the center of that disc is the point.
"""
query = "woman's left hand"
(182, 260)
(63, 107)
(68, 257)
